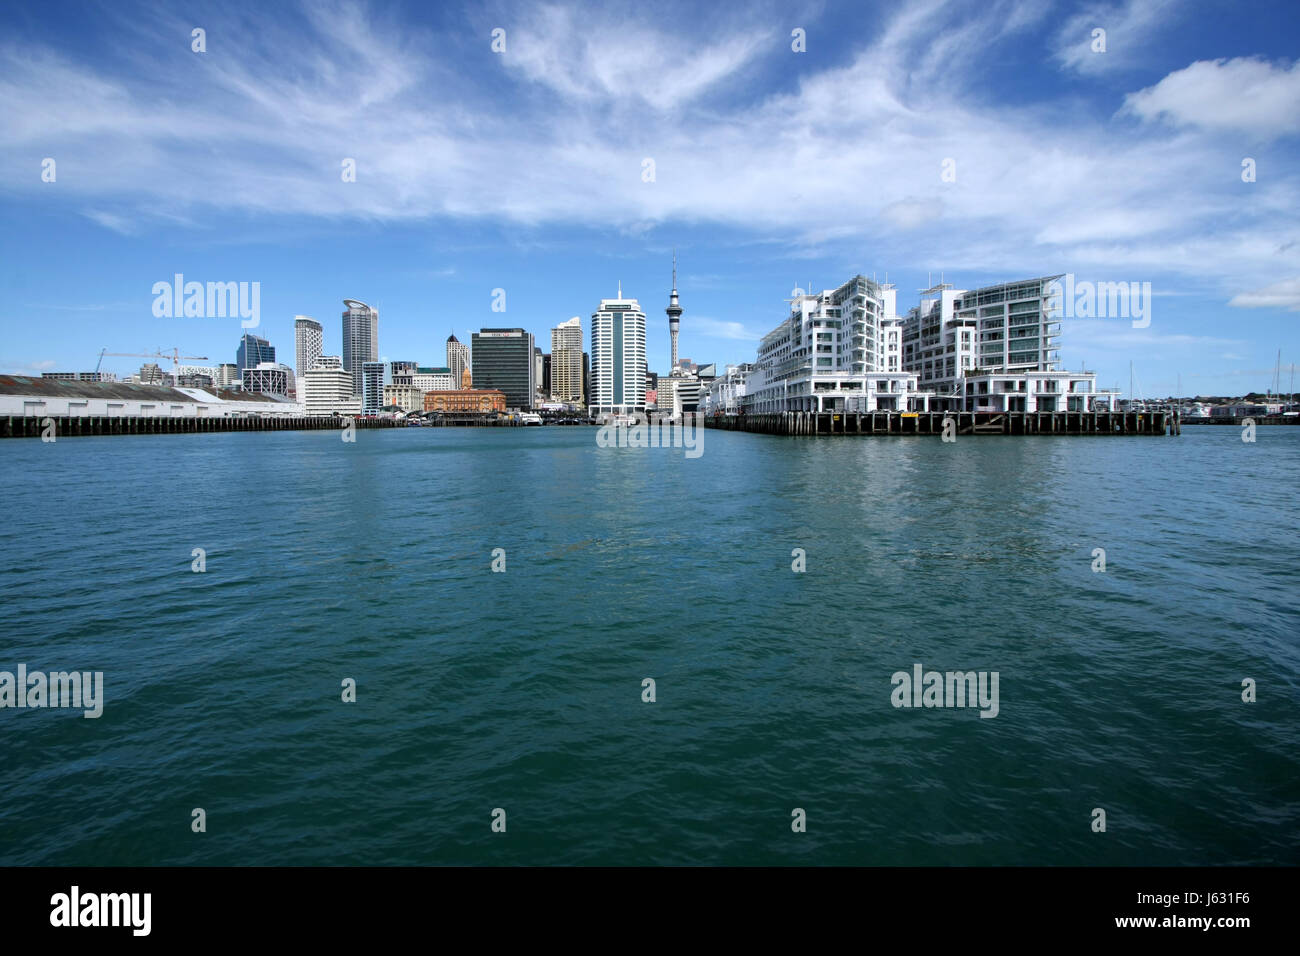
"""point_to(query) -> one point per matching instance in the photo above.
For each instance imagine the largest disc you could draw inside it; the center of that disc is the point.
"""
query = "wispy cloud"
(722, 329)
(555, 131)
(1132, 29)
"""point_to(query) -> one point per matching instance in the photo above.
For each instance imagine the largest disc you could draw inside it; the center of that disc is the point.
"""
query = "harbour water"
(522, 690)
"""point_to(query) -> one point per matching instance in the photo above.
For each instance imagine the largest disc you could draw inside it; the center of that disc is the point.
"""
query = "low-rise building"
(327, 389)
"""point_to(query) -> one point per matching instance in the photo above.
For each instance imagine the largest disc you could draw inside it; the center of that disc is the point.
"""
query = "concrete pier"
(964, 423)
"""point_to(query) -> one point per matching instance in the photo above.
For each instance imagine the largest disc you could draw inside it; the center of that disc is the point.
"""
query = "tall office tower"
(566, 361)
(504, 360)
(372, 387)
(457, 358)
(253, 351)
(360, 339)
(308, 339)
(537, 369)
(618, 357)
(546, 374)
(674, 311)
(586, 379)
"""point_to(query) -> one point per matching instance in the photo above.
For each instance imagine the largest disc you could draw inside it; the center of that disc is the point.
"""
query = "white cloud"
(587, 55)
(720, 329)
(1241, 95)
(1132, 31)
(554, 131)
(1279, 295)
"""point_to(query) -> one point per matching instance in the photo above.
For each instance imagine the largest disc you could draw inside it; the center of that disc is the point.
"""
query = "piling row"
(36, 427)
(962, 423)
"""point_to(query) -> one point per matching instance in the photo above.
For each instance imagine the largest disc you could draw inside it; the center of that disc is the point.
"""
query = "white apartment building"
(617, 357)
(726, 393)
(566, 361)
(327, 389)
(993, 349)
(838, 350)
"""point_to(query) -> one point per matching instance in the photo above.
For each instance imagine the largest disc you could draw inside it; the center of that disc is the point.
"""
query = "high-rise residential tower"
(618, 357)
(674, 311)
(360, 340)
(308, 340)
(566, 361)
(457, 358)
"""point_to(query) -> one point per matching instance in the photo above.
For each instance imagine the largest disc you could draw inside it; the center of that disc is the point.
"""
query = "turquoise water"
(522, 690)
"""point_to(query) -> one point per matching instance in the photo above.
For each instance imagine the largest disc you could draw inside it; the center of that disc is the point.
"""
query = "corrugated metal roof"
(62, 388)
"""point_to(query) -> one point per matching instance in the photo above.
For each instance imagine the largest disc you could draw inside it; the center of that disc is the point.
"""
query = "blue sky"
(523, 170)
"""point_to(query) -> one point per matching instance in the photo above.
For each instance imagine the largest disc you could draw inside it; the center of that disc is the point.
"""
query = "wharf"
(964, 423)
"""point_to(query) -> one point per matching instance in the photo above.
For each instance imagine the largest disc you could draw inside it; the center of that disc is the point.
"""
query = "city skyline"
(1123, 165)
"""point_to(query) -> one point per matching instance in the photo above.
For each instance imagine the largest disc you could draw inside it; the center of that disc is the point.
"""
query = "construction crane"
(174, 355)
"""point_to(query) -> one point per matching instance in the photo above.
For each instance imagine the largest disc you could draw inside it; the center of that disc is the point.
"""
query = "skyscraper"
(360, 340)
(504, 360)
(566, 361)
(457, 358)
(253, 351)
(372, 387)
(618, 357)
(308, 339)
(674, 311)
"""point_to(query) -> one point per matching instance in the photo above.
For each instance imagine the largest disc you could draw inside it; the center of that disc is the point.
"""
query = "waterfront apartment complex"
(993, 349)
(988, 349)
(618, 381)
(360, 340)
(566, 361)
(837, 349)
(504, 361)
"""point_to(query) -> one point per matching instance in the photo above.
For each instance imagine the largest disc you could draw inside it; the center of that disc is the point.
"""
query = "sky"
(978, 141)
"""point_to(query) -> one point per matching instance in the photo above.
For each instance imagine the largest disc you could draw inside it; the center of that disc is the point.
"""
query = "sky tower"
(674, 314)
